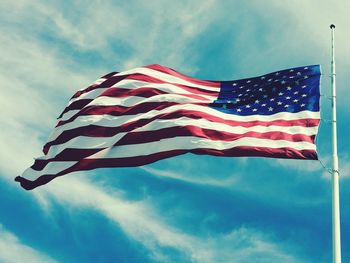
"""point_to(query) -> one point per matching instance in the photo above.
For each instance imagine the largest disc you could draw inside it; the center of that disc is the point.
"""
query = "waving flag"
(146, 114)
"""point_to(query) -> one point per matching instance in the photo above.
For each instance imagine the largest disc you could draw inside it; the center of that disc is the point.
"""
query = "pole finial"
(332, 26)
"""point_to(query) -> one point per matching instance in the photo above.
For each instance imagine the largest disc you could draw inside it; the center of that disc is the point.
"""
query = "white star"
(257, 101)
(234, 84)
(270, 109)
(248, 81)
(265, 96)
(298, 73)
(302, 105)
(277, 73)
(248, 90)
(240, 95)
(254, 109)
(304, 95)
(286, 106)
(291, 77)
(287, 98)
(295, 100)
(289, 88)
(263, 104)
(248, 106)
(261, 89)
(279, 103)
(283, 82)
(306, 68)
(280, 94)
(239, 110)
(291, 70)
(238, 100)
(263, 77)
(303, 87)
(272, 99)
(306, 77)
(269, 80)
(296, 92)
(241, 87)
(255, 85)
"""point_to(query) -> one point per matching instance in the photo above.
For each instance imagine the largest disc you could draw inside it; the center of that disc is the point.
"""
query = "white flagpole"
(335, 168)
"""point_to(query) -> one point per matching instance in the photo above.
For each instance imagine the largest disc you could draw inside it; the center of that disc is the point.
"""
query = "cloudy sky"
(184, 209)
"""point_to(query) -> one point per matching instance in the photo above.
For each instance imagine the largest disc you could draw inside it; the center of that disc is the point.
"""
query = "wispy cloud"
(12, 250)
(203, 179)
(140, 222)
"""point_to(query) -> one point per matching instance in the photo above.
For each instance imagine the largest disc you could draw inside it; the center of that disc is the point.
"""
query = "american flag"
(149, 113)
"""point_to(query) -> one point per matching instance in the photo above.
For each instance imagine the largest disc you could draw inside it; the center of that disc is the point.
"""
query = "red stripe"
(112, 80)
(119, 110)
(145, 92)
(100, 131)
(132, 138)
(107, 83)
(143, 108)
(76, 105)
(90, 164)
(214, 135)
(67, 154)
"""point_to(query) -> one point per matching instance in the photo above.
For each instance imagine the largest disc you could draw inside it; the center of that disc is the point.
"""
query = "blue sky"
(184, 209)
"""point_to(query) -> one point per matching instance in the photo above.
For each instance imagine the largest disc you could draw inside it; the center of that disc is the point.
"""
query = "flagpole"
(335, 168)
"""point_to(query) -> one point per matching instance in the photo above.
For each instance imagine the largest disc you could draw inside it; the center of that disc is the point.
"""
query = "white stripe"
(68, 115)
(96, 82)
(205, 124)
(114, 121)
(130, 84)
(51, 168)
(165, 77)
(92, 94)
(190, 143)
(177, 143)
(134, 100)
(171, 89)
(85, 142)
(134, 84)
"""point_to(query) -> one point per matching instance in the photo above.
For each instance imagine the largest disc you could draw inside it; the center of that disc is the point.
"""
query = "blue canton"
(291, 90)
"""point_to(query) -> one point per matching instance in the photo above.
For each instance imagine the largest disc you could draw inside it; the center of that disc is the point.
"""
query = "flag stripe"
(199, 128)
(146, 92)
(186, 143)
(175, 78)
(73, 154)
(109, 114)
(132, 100)
(30, 182)
(129, 122)
(138, 87)
(166, 122)
(126, 126)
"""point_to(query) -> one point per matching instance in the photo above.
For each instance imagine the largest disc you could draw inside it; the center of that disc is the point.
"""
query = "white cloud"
(140, 222)
(203, 179)
(12, 250)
